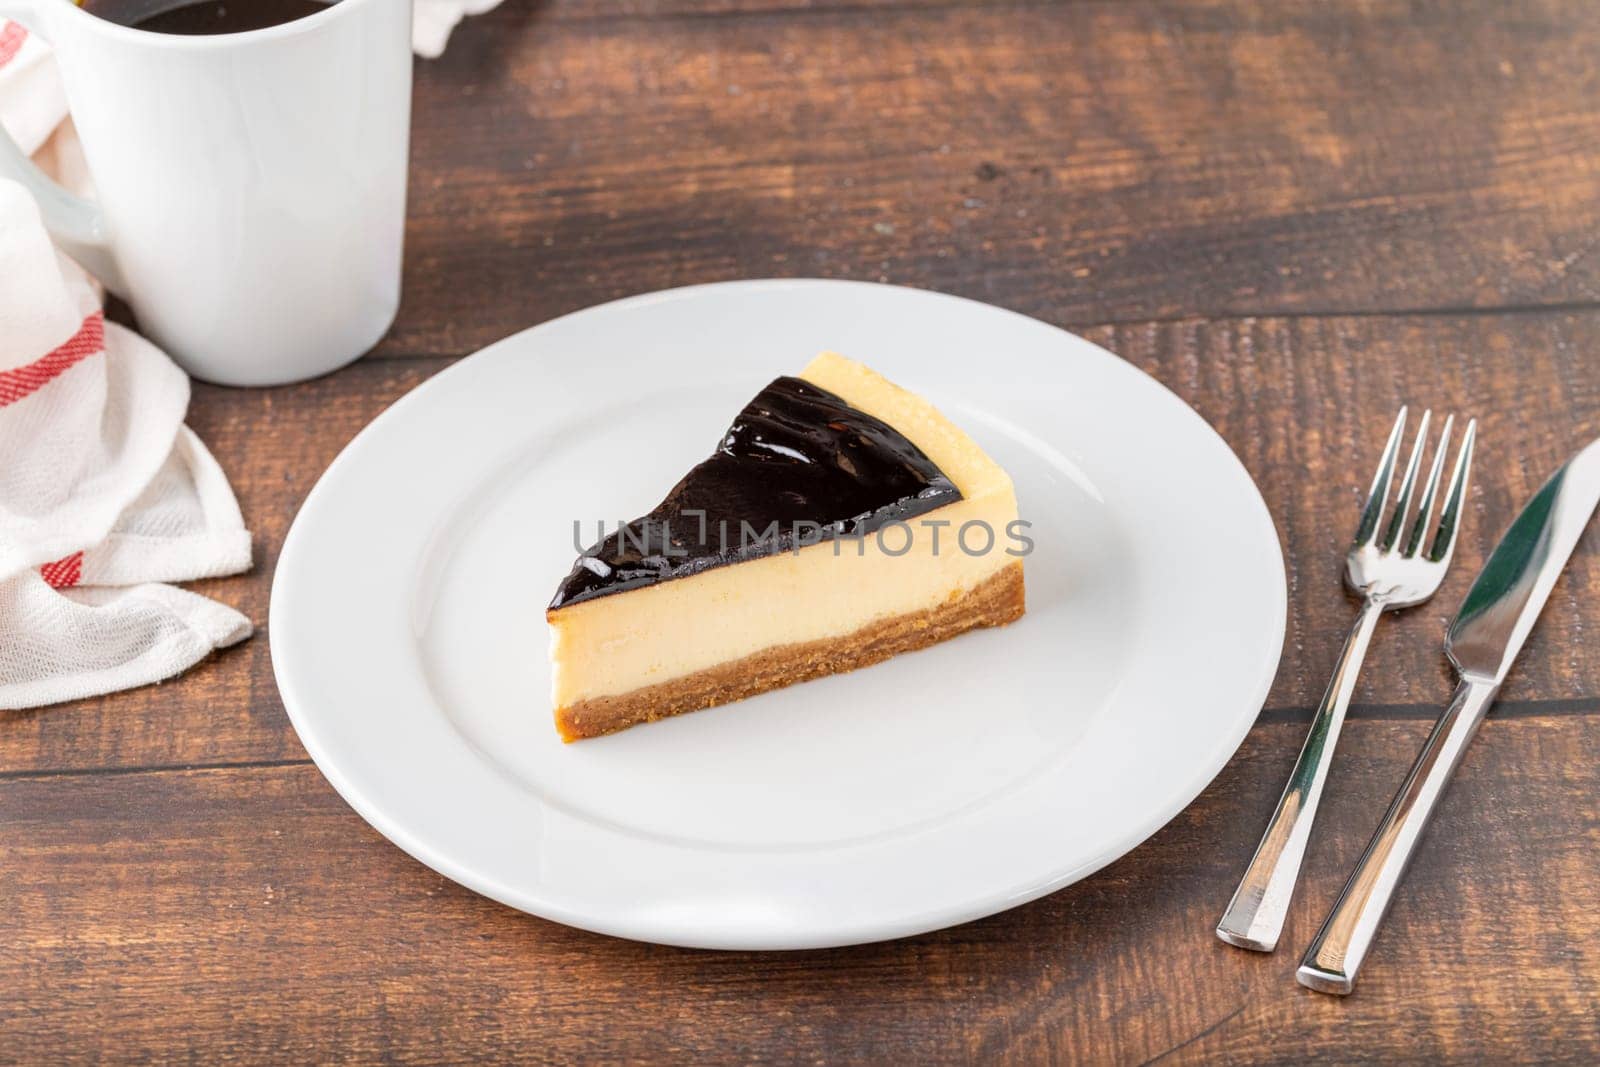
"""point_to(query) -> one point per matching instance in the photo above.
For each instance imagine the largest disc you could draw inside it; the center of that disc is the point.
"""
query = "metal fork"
(1389, 573)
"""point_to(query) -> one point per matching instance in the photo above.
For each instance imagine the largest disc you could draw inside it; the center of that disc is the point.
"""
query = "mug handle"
(76, 224)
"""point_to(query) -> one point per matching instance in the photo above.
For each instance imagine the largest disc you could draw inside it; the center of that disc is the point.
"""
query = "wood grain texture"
(1304, 402)
(1297, 214)
(266, 921)
(1083, 162)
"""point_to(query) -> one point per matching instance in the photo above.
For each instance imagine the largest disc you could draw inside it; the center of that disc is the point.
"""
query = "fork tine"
(1408, 483)
(1430, 490)
(1444, 542)
(1372, 513)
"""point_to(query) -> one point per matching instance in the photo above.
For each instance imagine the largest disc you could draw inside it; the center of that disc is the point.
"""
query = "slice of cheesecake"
(841, 521)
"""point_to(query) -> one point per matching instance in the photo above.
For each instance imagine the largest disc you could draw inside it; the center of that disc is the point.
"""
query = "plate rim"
(296, 703)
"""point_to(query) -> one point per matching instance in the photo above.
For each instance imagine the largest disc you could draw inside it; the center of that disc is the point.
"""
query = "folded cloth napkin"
(104, 493)
(31, 102)
(105, 496)
(432, 21)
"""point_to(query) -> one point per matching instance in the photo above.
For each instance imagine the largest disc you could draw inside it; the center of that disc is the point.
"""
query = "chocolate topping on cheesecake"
(799, 465)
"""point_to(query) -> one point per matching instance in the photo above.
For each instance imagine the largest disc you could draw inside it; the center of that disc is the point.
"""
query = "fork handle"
(1255, 915)
(1337, 952)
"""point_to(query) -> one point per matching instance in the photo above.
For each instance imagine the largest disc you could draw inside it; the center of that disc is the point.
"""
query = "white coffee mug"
(250, 188)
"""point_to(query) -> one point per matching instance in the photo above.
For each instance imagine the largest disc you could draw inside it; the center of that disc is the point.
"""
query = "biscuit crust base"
(995, 601)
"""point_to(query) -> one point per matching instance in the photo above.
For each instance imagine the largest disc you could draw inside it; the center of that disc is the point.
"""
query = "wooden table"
(1295, 213)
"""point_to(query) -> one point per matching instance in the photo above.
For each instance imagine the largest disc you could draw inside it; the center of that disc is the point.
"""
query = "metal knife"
(1484, 639)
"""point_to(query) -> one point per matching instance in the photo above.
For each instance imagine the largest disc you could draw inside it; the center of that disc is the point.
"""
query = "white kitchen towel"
(432, 21)
(104, 493)
(31, 103)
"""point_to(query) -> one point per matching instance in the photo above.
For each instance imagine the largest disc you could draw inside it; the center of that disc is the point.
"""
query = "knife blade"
(1504, 602)
(1489, 630)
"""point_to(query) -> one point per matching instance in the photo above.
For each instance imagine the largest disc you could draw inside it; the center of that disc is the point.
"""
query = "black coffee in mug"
(204, 17)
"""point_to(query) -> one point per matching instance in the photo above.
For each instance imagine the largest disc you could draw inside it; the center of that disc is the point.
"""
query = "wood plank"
(1304, 402)
(1086, 162)
(248, 914)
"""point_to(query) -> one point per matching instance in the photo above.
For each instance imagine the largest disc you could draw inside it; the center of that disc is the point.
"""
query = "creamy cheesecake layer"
(651, 636)
(995, 601)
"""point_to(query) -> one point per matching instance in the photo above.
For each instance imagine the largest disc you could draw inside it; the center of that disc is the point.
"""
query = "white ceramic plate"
(409, 641)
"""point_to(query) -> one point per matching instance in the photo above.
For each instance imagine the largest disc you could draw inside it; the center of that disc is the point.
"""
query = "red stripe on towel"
(11, 38)
(63, 573)
(18, 383)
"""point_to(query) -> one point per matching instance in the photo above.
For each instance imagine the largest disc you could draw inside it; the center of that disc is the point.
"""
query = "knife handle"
(1337, 952)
